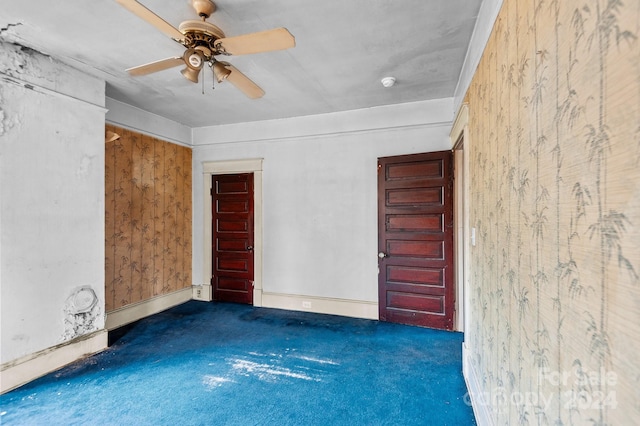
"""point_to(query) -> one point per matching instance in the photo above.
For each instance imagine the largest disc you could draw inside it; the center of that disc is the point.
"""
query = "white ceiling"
(343, 49)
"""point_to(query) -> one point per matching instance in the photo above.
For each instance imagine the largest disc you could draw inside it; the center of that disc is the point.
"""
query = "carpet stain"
(319, 361)
(212, 382)
(267, 372)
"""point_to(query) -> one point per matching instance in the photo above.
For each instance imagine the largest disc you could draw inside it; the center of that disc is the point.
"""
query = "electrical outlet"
(202, 292)
(306, 304)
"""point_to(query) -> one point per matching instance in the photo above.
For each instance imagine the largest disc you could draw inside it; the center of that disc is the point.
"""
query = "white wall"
(320, 191)
(51, 203)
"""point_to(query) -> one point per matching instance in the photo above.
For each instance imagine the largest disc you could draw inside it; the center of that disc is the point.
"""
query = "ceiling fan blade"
(243, 83)
(263, 41)
(136, 8)
(156, 66)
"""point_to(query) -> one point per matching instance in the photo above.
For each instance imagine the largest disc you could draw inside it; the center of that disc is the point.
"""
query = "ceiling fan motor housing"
(201, 34)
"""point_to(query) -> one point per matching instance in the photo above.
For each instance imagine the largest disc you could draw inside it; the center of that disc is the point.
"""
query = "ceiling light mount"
(204, 8)
(388, 81)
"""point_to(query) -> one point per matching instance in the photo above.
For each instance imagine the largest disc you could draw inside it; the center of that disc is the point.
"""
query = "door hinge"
(211, 191)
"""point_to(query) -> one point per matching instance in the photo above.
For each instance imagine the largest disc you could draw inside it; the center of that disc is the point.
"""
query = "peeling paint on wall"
(5, 29)
(29, 66)
(3, 126)
(5, 123)
(1, 118)
(16, 62)
(82, 311)
(47, 132)
(7, 120)
(85, 165)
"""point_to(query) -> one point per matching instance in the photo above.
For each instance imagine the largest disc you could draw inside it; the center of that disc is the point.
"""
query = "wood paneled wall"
(148, 218)
(554, 147)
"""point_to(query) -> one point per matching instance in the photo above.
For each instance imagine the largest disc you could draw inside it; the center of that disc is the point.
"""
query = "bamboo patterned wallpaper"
(148, 218)
(554, 145)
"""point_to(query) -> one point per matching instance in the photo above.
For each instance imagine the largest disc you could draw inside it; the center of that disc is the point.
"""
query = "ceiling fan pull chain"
(213, 80)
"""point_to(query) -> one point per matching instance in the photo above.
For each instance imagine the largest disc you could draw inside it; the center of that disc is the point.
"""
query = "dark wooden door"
(232, 211)
(415, 240)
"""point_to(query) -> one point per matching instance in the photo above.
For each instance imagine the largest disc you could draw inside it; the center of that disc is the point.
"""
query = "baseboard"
(321, 305)
(478, 402)
(18, 372)
(134, 312)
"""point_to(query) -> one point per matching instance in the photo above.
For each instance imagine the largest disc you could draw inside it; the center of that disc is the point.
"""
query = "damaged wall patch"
(81, 313)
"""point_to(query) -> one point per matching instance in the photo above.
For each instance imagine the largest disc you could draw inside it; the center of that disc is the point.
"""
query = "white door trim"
(460, 143)
(254, 166)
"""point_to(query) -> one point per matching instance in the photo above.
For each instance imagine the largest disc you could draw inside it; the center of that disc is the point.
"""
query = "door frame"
(459, 137)
(253, 165)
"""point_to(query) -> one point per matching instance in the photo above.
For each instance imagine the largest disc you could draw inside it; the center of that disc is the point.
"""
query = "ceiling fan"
(204, 41)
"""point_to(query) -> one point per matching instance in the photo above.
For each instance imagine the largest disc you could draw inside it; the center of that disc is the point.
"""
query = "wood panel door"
(232, 245)
(415, 240)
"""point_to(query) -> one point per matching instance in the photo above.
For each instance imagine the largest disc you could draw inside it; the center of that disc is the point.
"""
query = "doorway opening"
(250, 166)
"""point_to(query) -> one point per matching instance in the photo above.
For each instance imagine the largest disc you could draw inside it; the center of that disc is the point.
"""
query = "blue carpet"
(215, 364)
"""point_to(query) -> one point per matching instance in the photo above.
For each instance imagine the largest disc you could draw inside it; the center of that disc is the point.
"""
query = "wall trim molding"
(460, 125)
(486, 18)
(23, 370)
(478, 401)
(140, 130)
(389, 118)
(459, 138)
(134, 312)
(45, 90)
(150, 124)
(321, 305)
(232, 166)
(327, 134)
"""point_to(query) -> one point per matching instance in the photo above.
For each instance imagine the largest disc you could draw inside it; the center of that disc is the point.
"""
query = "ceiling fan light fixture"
(194, 60)
(191, 74)
(220, 72)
